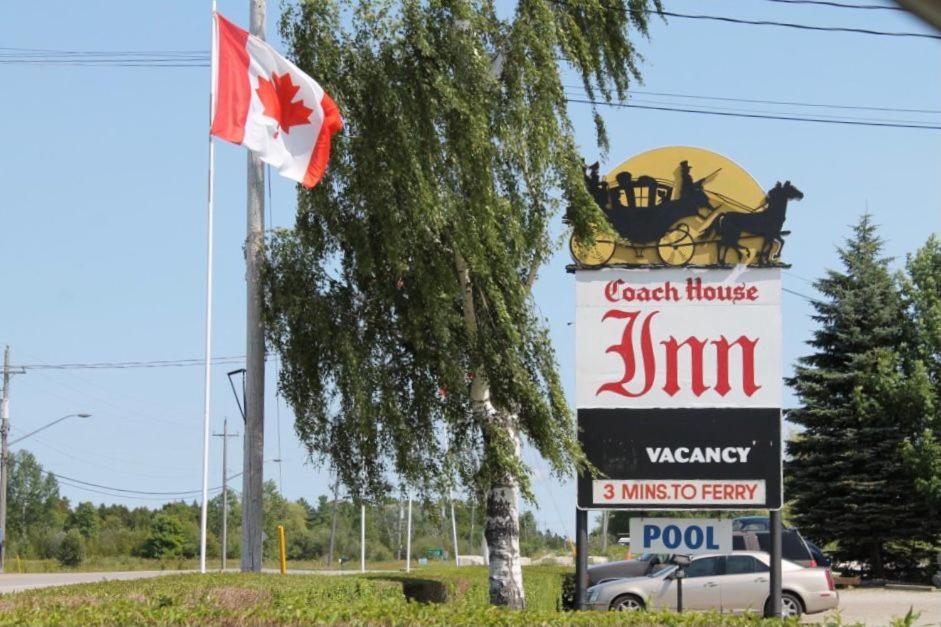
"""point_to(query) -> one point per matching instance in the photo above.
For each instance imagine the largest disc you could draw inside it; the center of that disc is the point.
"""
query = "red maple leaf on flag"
(277, 96)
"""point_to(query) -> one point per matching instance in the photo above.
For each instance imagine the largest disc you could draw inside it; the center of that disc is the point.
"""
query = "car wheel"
(791, 605)
(627, 603)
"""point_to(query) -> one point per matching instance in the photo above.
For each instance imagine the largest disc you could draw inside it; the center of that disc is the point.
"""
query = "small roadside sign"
(683, 536)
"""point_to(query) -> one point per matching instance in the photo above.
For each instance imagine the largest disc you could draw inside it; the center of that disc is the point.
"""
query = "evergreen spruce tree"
(401, 302)
(861, 399)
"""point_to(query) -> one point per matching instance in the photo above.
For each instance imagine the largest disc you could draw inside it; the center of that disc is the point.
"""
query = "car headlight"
(593, 593)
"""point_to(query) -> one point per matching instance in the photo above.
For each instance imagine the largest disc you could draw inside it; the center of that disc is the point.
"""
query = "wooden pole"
(254, 444)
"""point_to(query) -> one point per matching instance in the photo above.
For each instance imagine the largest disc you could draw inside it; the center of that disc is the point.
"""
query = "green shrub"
(256, 599)
(167, 538)
(71, 550)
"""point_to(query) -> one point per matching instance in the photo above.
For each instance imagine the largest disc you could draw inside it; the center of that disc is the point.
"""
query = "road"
(877, 606)
(16, 582)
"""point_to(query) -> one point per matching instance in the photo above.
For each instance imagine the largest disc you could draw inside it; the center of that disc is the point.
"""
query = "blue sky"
(102, 245)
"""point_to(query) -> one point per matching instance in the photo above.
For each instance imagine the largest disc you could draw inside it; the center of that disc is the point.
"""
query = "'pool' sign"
(684, 536)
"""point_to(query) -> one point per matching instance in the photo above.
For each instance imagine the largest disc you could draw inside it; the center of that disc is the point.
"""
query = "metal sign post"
(581, 558)
(774, 607)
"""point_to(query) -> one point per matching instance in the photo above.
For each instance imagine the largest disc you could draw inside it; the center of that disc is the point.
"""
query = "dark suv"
(793, 545)
(761, 524)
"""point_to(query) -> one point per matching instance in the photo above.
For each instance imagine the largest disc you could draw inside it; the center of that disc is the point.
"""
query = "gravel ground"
(877, 606)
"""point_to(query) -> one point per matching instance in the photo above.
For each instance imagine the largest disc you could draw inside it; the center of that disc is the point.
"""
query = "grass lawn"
(431, 596)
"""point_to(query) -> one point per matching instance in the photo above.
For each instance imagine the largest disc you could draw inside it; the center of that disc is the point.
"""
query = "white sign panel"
(678, 337)
(683, 536)
(657, 493)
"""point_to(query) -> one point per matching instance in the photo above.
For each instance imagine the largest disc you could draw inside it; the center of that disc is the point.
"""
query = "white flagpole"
(208, 367)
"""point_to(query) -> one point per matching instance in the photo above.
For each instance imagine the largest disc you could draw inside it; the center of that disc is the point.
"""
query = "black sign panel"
(722, 458)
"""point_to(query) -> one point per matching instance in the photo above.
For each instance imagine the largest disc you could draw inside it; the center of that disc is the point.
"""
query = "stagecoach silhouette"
(675, 217)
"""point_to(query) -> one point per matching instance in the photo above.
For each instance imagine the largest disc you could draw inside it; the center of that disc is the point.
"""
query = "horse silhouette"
(766, 224)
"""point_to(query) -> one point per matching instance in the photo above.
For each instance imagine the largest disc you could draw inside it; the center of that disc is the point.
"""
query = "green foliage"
(921, 287)
(906, 621)
(457, 154)
(32, 496)
(71, 550)
(85, 519)
(862, 397)
(167, 538)
(272, 600)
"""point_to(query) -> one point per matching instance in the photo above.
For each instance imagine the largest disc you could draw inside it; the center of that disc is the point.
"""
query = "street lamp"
(44, 427)
(4, 464)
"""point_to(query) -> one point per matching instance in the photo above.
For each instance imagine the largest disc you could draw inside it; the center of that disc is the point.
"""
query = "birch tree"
(401, 302)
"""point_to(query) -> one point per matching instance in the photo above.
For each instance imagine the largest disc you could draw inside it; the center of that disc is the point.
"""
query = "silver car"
(728, 582)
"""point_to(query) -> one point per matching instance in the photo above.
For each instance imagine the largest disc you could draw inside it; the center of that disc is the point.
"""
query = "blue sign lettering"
(711, 542)
(672, 536)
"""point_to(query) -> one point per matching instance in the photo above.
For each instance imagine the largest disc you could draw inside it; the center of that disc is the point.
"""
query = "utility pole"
(362, 538)
(398, 537)
(225, 435)
(408, 538)
(604, 532)
(4, 454)
(333, 523)
(254, 442)
(457, 557)
(5, 451)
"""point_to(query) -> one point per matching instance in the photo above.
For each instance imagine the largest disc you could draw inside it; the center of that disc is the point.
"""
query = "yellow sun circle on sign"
(729, 188)
(725, 178)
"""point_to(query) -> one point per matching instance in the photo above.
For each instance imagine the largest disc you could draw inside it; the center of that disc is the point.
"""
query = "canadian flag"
(267, 104)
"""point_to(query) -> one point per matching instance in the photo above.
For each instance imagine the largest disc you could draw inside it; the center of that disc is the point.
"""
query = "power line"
(747, 22)
(774, 102)
(809, 299)
(760, 116)
(101, 58)
(6, 49)
(111, 494)
(123, 491)
(105, 64)
(841, 5)
(810, 27)
(89, 462)
(829, 116)
(801, 278)
(118, 365)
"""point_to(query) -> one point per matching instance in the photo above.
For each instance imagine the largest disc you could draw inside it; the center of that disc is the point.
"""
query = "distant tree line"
(42, 524)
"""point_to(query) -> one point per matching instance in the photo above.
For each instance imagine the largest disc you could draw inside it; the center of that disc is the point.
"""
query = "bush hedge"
(453, 598)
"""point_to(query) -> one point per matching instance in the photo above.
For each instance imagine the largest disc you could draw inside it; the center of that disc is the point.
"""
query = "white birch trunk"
(501, 529)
